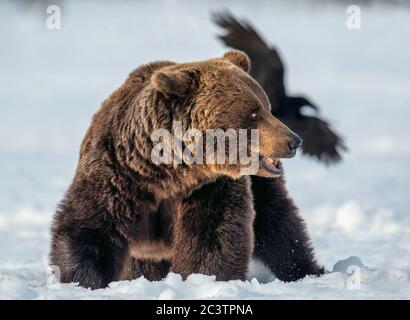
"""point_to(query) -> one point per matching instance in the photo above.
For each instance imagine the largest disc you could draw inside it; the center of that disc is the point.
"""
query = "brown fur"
(123, 216)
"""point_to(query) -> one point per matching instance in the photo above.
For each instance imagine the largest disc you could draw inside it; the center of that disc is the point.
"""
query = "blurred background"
(52, 81)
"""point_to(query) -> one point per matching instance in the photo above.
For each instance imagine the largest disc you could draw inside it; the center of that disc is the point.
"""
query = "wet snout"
(275, 139)
(295, 142)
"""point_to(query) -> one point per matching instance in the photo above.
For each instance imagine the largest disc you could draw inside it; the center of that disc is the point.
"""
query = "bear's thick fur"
(124, 216)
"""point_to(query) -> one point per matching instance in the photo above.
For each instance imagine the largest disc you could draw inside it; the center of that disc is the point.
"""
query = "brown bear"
(125, 216)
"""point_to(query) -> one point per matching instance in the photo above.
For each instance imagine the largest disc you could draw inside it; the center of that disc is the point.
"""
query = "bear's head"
(219, 94)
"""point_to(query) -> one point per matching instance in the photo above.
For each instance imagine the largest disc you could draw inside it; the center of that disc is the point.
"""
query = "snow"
(357, 212)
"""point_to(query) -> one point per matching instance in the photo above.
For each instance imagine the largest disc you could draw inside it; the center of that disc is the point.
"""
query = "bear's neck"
(133, 147)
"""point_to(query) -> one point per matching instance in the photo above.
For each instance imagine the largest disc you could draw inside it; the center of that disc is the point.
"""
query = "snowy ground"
(52, 81)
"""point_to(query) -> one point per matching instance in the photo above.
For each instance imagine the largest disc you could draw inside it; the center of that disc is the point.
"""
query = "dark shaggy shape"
(124, 216)
(320, 140)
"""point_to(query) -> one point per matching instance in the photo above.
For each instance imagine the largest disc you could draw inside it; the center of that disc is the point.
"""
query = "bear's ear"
(170, 82)
(239, 58)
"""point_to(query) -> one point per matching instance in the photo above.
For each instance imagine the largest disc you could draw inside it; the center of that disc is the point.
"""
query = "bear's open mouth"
(271, 165)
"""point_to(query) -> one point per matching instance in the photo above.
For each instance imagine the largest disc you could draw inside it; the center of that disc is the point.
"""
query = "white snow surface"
(357, 212)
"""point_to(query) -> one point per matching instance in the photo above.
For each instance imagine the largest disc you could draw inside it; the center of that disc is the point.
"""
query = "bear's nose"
(295, 142)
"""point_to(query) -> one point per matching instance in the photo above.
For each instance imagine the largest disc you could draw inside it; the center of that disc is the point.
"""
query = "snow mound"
(344, 265)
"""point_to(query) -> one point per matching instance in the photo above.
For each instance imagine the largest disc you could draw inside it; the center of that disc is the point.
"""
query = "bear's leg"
(151, 270)
(281, 240)
(213, 232)
(91, 257)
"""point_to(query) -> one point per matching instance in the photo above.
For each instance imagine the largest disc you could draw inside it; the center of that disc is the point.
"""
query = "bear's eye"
(255, 115)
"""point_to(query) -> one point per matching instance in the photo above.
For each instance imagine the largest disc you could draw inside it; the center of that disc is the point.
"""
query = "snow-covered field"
(51, 82)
